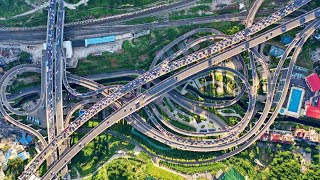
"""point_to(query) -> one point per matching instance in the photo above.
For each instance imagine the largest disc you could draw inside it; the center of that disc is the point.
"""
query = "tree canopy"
(285, 165)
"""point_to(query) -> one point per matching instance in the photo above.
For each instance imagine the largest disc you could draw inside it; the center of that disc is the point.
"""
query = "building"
(313, 108)
(25, 139)
(264, 137)
(7, 140)
(313, 82)
(286, 40)
(281, 138)
(23, 155)
(315, 55)
(313, 105)
(278, 136)
(310, 136)
(81, 112)
(101, 40)
(276, 51)
(15, 151)
(2, 161)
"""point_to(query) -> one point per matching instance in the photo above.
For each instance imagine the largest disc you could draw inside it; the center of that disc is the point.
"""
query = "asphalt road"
(108, 123)
(171, 82)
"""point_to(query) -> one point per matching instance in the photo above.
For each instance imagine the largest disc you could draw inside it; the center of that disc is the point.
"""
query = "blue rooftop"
(29, 139)
(25, 139)
(275, 51)
(24, 155)
(81, 112)
(101, 40)
(7, 155)
(286, 40)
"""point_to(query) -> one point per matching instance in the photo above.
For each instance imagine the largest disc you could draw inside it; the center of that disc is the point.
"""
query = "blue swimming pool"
(294, 101)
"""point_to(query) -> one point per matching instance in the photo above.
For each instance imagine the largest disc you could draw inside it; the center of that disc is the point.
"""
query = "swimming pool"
(294, 102)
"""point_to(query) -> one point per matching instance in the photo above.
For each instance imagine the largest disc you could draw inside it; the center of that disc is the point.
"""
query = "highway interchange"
(54, 74)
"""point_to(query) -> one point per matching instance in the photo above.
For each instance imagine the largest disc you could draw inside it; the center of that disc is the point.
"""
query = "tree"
(308, 150)
(316, 158)
(278, 146)
(285, 166)
(6, 147)
(25, 56)
(15, 167)
(313, 173)
(233, 30)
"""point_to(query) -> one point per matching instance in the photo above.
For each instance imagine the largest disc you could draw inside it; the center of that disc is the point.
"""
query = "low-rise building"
(286, 40)
(276, 52)
(282, 138)
(313, 104)
(313, 108)
(313, 82)
(310, 136)
(278, 136)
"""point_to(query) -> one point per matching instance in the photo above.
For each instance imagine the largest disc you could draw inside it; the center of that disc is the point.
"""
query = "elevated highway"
(184, 69)
(238, 48)
(14, 72)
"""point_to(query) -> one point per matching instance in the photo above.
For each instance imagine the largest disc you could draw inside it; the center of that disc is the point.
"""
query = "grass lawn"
(138, 53)
(138, 167)
(96, 153)
(20, 85)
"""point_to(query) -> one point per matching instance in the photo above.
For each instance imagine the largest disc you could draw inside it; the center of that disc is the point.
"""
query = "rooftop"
(286, 40)
(101, 40)
(312, 111)
(276, 51)
(313, 82)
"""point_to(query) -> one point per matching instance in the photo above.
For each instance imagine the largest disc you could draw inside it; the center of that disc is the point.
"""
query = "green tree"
(308, 150)
(278, 146)
(313, 173)
(15, 167)
(316, 158)
(233, 30)
(285, 166)
(25, 56)
(6, 147)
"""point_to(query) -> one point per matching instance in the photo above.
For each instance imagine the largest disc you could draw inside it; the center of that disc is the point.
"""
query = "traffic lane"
(10, 75)
(279, 106)
(243, 46)
(25, 92)
(290, 25)
(149, 96)
(218, 122)
(256, 42)
(115, 74)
